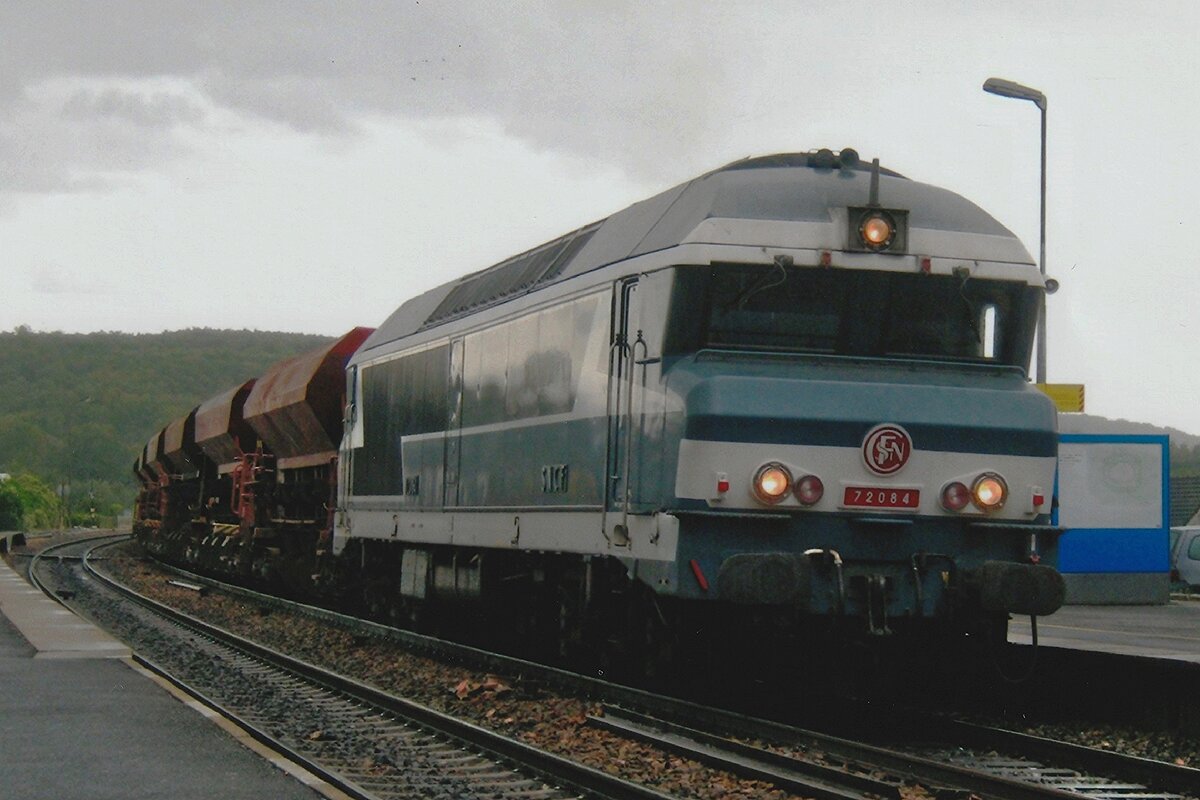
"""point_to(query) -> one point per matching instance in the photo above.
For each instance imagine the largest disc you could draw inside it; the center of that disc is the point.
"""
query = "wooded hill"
(80, 407)
(1185, 447)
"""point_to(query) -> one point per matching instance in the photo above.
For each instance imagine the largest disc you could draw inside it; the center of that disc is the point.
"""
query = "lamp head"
(1007, 88)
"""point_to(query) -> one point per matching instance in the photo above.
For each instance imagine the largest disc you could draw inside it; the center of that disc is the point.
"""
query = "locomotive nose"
(880, 542)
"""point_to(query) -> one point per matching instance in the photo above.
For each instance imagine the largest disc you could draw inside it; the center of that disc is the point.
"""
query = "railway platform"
(1170, 631)
(78, 719)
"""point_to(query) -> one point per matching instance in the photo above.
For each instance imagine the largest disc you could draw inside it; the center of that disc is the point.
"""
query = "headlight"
(772, 483)
(876, 231)
(809, 490)
(989, 492)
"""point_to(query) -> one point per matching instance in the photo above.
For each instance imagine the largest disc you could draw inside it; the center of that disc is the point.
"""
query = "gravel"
(536, 717)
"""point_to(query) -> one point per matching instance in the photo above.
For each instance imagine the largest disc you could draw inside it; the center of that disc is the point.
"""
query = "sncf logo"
(886, 449)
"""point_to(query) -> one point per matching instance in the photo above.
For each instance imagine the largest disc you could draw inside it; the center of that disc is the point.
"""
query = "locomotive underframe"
(602, 612)
(875, 569)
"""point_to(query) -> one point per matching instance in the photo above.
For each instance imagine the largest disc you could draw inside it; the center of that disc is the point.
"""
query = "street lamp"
(1006, 88)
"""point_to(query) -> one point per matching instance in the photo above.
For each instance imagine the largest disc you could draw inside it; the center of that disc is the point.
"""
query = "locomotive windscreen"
(852, 312)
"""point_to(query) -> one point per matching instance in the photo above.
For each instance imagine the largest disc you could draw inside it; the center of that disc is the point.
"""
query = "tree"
(12, 513)
(27, 503)
(80, 407)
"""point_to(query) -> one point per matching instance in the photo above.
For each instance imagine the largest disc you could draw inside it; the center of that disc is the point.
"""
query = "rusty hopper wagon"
(244, 483)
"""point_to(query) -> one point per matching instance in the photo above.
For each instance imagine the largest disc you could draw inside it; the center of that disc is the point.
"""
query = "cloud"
(660, 90)
(573, 80)
(306, 105)
(154, 110)
(51, 278)
(74, 135)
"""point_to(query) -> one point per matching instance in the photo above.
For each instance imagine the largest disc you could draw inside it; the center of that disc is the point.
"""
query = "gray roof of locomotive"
(781, 187)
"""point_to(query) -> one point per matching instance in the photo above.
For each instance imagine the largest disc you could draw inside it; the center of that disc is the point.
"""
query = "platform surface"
(53, 631)
(79, 721)
(1169, 631)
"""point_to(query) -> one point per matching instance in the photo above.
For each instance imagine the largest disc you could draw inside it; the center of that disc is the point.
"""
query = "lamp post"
(1006, 88)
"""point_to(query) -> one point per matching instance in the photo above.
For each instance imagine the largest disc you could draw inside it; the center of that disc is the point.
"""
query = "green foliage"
(12, 512)
(77, 409)
(1185, 460)
(27, 503)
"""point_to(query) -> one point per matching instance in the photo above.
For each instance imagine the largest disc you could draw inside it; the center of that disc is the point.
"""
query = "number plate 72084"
(875, 497)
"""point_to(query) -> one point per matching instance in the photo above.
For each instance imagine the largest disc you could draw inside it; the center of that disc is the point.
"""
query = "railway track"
(976, 771)
(1073, 764)
(364, 742)
(954, 757)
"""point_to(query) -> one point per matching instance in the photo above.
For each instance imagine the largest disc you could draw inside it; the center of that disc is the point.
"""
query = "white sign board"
(1110, 485)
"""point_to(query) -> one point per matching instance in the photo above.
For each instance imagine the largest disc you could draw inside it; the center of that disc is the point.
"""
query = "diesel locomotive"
(792, 390)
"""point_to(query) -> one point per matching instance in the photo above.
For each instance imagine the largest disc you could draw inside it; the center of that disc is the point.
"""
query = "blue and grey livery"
(794, 382)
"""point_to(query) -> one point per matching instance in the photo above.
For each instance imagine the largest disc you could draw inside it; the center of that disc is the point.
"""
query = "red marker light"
(723, 485)
(955, 496)
(1039, 499)
(809, 490)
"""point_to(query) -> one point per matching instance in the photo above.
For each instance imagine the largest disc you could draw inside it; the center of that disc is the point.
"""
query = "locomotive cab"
(855, 430)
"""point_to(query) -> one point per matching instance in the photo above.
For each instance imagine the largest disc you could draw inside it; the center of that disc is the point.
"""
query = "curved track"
(954, 754)
(365, 742)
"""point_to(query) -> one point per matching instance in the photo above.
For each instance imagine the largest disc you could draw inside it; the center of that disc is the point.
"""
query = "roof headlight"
(873, 229)
(876, 230)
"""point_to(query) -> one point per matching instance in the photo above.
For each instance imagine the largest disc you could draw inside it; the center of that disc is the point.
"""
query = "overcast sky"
(308, 166)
